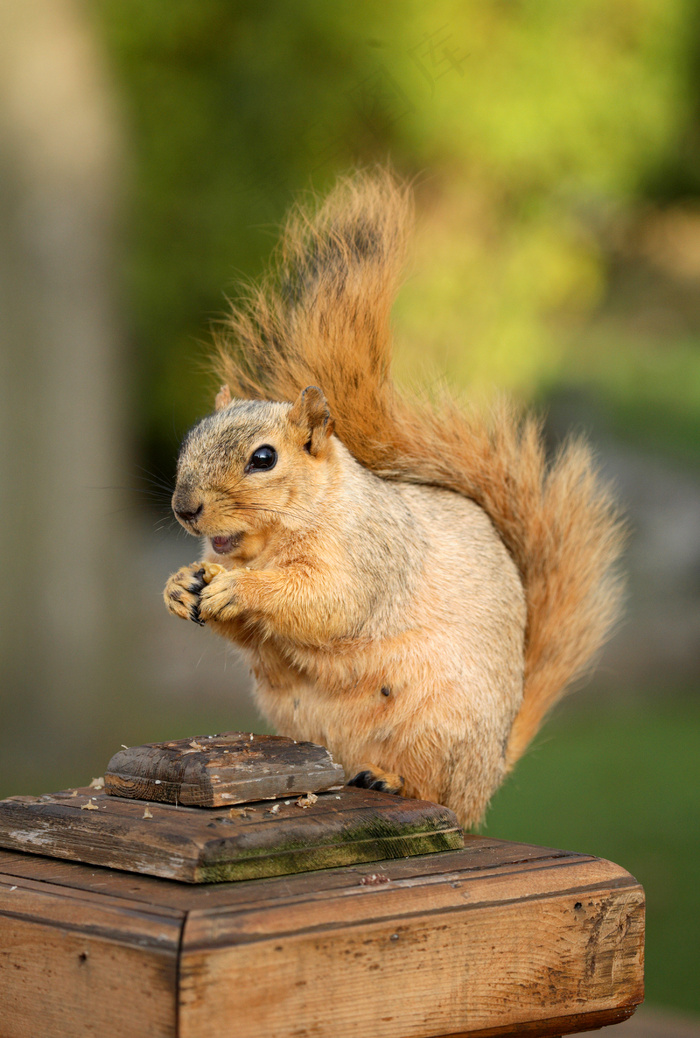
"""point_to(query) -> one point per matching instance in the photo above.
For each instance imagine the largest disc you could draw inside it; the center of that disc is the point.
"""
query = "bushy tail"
(322, 317)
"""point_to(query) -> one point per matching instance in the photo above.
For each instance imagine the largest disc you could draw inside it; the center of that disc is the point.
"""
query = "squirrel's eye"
(263, 458)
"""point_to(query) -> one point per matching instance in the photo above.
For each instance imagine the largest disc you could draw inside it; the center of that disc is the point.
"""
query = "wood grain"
(493, 940)
(199, 846)
(572, 1023)
(221, 770)
(486, 856)
(558, 942)
(74, 964)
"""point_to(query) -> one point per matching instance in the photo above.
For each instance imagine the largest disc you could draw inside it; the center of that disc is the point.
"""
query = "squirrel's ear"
(310, 412)
(223, 398)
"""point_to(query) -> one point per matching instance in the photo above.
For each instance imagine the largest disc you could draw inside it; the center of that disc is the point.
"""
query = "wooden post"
(493, 940)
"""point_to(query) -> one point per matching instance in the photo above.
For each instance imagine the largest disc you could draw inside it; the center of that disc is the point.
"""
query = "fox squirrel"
(412, 583)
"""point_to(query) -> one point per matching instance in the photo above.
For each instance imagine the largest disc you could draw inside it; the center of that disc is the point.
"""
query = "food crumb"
(375, 879)
(241, 812)
(147, 812)
(274, 809)
(307, 801)
(89, 806)
(97, 783)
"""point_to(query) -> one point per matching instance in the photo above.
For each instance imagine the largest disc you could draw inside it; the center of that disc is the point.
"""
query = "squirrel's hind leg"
(371, 777)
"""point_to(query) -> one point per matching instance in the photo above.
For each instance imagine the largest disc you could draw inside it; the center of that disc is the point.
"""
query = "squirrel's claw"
(183, 589)
(218, 600)
(374, 778)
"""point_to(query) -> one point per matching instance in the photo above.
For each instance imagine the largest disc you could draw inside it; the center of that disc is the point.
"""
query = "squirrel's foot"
(218, 600)
(183, 589)
(375, 778)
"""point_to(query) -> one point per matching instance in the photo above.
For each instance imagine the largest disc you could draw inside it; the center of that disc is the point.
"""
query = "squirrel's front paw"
(219, 600)
(183, 589)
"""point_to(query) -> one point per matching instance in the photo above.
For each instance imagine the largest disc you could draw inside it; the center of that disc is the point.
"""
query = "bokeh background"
(148, 152)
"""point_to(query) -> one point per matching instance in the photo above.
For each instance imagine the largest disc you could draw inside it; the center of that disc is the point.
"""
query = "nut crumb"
(124, 747)
(375, 879)
(97, 783)
(147, 812)
(241, 812)
(274, 809)
(307, 801)
(89, 806)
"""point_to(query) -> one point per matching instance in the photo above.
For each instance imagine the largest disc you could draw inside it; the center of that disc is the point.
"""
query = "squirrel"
(413, 584)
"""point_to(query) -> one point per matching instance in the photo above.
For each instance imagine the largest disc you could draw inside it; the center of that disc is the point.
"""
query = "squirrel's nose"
(189, 515)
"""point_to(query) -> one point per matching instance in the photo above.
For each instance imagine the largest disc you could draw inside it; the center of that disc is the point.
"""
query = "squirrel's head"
(252, 467)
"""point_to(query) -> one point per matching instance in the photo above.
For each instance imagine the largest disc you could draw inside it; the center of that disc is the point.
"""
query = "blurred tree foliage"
(532, 129)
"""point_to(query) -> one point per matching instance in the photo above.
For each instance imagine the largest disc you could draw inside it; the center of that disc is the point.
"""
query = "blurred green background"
(555, 152)
(548, 142)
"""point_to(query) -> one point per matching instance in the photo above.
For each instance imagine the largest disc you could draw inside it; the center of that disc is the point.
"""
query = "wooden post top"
(296, 815)
(264, 838)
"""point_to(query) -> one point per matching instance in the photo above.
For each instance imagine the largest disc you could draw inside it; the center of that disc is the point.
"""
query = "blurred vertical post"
(62, 400)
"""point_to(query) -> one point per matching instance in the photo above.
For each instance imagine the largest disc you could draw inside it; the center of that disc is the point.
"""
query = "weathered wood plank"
(572, 1023)
(480, 855)
(393, 899)
(73, 965)
(197, 846)
(221, 770)
(430, 959)
(120, 917)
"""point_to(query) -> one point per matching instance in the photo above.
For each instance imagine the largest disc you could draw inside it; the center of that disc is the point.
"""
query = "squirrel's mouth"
(223, 545)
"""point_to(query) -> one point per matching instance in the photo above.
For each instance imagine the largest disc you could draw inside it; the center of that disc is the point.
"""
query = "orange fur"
(322, 317)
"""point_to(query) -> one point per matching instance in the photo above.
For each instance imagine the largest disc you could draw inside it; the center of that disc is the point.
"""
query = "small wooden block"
(221, 770)
(195, 846)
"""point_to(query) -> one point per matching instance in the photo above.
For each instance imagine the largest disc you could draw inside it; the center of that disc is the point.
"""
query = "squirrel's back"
(322, 317)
